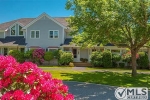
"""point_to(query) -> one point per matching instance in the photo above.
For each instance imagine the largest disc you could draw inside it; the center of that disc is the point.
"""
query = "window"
(35, 34)
(13, 30)
(20, 31)
(93, 50)
(53, 34)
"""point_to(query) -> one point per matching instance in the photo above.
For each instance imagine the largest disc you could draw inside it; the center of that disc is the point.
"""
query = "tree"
(112, 21)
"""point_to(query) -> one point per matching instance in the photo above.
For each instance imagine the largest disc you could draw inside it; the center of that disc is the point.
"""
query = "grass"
(113, 77)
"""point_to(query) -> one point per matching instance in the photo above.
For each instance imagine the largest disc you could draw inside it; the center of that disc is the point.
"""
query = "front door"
(5, 51)
(74, 51)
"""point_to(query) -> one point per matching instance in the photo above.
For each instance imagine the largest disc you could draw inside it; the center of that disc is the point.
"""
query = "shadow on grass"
(110, 78)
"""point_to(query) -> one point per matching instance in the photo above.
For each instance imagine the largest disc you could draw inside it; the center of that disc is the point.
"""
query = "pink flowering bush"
(27, 82)
(38, 55)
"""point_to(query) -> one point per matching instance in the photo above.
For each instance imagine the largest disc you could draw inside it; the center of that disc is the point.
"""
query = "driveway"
(88, 91)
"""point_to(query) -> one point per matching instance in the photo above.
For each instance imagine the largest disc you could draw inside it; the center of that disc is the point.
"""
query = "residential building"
(49, 33)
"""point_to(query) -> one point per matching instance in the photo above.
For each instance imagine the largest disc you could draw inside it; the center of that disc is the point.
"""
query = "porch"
(4, 50)
(81, 54)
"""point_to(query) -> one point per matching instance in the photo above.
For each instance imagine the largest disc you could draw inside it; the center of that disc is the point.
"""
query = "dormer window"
(13, 30)
(20, 31)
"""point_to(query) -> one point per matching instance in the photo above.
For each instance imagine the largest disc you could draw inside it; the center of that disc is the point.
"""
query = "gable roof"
(42, 15)
(26, 21)
(22, 21)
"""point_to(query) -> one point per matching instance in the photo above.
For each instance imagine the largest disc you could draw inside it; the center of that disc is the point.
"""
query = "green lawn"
(107, 76)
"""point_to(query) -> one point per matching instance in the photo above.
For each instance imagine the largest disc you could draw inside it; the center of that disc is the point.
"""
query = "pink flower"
(28, 82)
(30, 79)
(7, 95)
(1, 85)
(57, 97)
(6, 82)
(9, 71)
(29, 97)
(18, 95)
(63, 88)
(47, 86)
(69, 97)
(35, 92)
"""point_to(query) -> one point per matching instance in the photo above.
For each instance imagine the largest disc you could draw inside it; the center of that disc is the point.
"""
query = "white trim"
(53, 34)
(4, 34)
(35, 34)
(26, 33)
(63, 36)
(19, 32)
(15, 24)
(52, 49)
(15, 30)
(39, 17)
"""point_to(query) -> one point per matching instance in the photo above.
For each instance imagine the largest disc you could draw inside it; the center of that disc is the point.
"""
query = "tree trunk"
(133, 57)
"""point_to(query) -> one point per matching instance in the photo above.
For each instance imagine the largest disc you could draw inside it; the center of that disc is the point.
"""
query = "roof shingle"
(25, 21)
(9, 40)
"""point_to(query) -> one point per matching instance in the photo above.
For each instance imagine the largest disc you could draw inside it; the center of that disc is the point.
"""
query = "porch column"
(26, 49)
(62, 48)
(89, 54)
(120, 51)
(70, 49)
(78, 54)
(1, 51)
(148, 49)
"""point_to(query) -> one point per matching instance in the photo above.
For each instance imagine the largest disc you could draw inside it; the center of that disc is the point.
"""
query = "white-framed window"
(35, 34)
(13, 30)
(20, 31)
(53, 34)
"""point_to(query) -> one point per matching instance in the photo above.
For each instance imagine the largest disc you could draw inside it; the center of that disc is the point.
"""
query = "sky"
(15, 9)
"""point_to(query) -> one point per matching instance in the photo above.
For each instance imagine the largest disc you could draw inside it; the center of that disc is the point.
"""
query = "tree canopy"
(111, 21)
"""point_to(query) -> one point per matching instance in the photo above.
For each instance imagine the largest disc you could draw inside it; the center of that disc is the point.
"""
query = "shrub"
(65, 58)
(106, 58)
(28, 82)
(122, 65)
(143, 61)
(56, 54)
(48, 56)
(18, 55)
(126, 57)
(71, 64)
(28, 54)
(96, 59)
(115, 58)
(38, 55)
